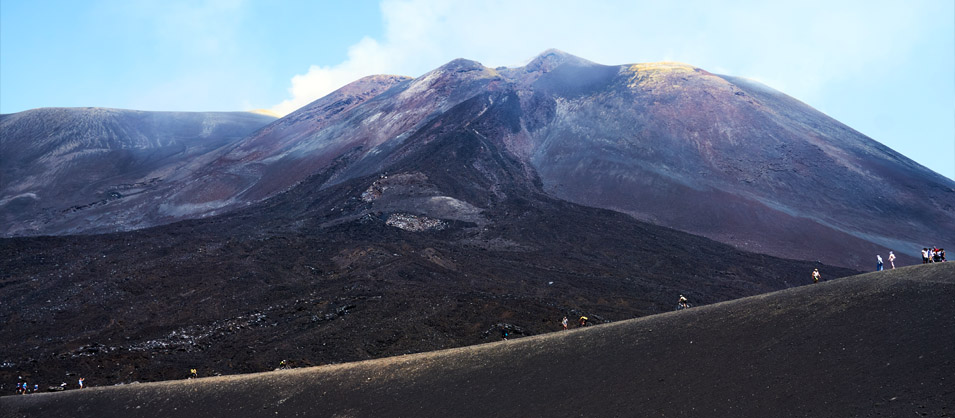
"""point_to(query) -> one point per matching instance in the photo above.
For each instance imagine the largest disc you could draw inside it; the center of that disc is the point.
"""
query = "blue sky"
(885, 68)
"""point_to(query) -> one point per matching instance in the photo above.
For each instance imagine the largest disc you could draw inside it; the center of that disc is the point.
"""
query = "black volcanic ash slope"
(877, 344)
(454, 245)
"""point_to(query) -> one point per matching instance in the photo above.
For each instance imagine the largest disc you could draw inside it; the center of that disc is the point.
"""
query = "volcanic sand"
(876, 344)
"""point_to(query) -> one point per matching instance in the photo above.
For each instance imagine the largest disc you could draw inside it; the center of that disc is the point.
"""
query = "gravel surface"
(877, 344)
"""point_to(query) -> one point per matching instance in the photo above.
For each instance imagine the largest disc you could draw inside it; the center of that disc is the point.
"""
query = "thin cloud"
(364, 58)
(794, 48)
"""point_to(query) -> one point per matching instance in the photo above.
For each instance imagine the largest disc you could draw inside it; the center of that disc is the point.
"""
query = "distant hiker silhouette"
(82, 384)
(582, 321)
(816, 276)
(878, 264)
(193, 373)
(924, 255)
(892, 260)
(564, 322)
(682, 303)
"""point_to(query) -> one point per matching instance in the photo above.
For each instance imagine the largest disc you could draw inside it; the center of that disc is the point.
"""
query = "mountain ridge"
(668, 143)
(57, 162)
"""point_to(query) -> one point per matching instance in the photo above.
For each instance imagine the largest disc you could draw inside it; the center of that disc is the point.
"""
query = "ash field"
(877, 344)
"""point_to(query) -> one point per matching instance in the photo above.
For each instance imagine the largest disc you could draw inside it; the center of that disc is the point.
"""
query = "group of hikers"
(929, 255)
(933, 255)
(878, 261)
(583, 321)
(24, 388)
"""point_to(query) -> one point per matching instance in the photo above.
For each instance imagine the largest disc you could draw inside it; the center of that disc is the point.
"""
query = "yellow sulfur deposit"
(655, 72)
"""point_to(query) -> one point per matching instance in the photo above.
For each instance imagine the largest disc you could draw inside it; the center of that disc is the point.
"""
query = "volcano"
(718, 156)
(403, 215)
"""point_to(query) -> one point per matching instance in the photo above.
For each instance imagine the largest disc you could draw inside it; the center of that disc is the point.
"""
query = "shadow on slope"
(877, 344)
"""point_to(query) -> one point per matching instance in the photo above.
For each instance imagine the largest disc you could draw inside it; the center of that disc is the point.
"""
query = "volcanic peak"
(553, 58)
(461, 65)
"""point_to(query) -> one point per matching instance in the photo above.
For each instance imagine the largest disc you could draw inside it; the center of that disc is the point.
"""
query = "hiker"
(82, 385)
(193, 373)
(936, 255)
(892, 260)
(878, 263)
(283, 364)
(816, 276)
(582, 321)
(924, 255)
(504, 333)
(941, 254)
(683, 303)
(564, 322)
